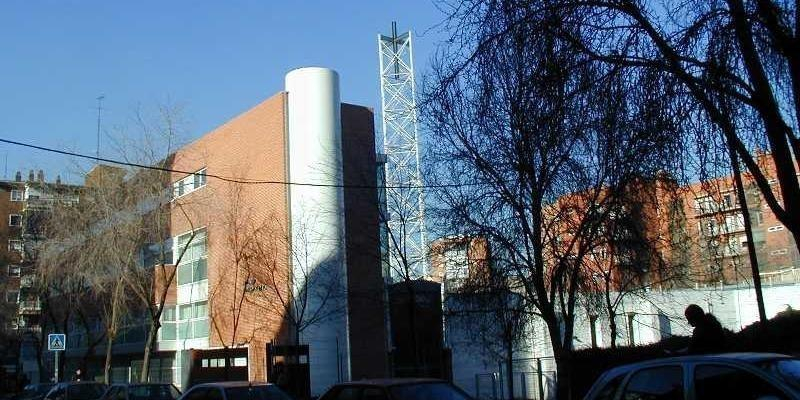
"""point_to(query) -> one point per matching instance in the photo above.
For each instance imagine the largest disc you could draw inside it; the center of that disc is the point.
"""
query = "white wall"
(317, 218)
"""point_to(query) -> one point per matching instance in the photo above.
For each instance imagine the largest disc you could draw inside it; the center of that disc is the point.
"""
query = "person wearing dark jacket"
(708, 336)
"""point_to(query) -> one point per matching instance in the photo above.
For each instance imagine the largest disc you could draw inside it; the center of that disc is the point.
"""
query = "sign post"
(56, 342)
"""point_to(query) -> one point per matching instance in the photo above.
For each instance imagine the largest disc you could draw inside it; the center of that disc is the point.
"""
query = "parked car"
(395, 389)
(235, 391)
(76, 391)
(141, 391)
(724, 376)
(34, 391)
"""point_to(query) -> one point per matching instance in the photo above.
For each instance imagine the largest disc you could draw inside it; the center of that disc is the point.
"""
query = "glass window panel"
(183, 330)
(168, 314)
(722, 382)
(200, 270)
(201, 309)
(200, 328)
(662, 383)
(168, 331)
(184, 274)
(186, 311)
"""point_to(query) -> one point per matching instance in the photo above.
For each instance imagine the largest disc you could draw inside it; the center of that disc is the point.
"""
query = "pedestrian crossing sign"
(56, 342)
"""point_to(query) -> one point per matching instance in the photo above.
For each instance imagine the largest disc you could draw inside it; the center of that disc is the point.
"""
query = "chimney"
(58, 179)
(18, 176)
(40, 176)
(30, 176)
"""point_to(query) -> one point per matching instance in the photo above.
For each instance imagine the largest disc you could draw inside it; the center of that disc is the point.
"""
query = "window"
(193, 255)
(168, 328)
(662, 383)
(16, 195)
(456, 262)
(15, 245)
(15, 220)
(757, 217)
(728, 200)
(734, 223)
(14, 271)
(240, 362)
(778, 252)
(723, 382)
(189, 183)
(12, 296)
(193, 320)
(775, 228)
(704, 205)
(608, 391)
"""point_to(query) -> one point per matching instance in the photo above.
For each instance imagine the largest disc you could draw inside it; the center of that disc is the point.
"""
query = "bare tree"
(738, 70)
(528, 136)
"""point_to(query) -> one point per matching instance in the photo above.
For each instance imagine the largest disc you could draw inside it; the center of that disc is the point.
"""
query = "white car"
(754, 376)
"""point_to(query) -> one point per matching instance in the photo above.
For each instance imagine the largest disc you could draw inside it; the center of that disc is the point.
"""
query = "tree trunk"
(612, 324)
(748, 229)
(107, 367)
(148, 349)
(510, 369)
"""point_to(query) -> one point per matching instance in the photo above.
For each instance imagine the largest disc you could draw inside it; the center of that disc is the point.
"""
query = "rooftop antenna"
(406, 218)
(99, 109)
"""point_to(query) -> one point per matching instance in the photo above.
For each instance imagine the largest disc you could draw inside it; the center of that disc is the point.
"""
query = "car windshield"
(153, 392)
(263, 392)
(786, 369)
(88, 391)
(427, 391)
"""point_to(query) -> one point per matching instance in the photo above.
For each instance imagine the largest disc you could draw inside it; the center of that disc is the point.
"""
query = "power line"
(225, 178)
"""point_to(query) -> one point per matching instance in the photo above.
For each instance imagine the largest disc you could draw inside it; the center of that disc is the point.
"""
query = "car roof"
(232, 384)
(748, 358)
(390, 381)
(142, 384)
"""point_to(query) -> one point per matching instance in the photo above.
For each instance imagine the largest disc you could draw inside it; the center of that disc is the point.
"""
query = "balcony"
(27, 281)
(30, 307)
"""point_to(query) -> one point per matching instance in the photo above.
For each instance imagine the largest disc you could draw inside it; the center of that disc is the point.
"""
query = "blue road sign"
(56, 342)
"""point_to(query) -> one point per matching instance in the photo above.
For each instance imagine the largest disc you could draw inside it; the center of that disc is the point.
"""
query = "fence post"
(540, 378)
(494, 386)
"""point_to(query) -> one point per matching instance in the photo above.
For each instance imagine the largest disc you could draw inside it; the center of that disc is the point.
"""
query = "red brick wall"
(251, 146)
(364, 279)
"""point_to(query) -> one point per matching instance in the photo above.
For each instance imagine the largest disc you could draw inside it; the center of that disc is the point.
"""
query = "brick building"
(23, 204)
(267, 264)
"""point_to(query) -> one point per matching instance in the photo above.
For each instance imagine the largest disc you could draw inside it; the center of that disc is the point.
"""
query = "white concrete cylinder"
(317, 221)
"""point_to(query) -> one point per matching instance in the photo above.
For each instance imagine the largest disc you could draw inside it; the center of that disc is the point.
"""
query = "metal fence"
(534, 379)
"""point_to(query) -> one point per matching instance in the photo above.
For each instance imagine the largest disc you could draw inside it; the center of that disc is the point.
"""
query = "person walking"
(708, 336)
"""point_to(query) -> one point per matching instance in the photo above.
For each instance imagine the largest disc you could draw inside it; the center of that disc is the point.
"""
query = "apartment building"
(23, 203)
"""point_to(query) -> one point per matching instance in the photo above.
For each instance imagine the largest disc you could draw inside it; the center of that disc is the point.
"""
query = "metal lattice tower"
(404, 194)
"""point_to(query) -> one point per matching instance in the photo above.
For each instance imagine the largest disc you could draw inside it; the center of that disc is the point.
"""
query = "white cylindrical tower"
(317, 221)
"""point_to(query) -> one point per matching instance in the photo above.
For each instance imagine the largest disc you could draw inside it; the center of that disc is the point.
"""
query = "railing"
(26, 306)
(789, 275)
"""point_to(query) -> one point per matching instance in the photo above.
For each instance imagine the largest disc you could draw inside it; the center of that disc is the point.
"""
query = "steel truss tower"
(405, 207)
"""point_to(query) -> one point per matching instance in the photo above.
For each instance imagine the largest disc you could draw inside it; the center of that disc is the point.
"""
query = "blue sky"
(214, 59)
